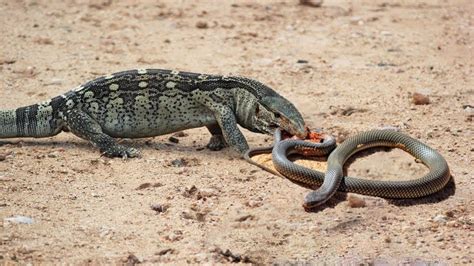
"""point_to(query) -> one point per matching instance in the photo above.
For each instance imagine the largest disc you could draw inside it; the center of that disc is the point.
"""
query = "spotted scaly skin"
(151, 102)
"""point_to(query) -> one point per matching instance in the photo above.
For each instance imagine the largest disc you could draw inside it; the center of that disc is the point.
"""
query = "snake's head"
(272, 112)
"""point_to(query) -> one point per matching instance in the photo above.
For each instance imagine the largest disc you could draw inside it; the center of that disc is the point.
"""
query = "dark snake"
(334, 180)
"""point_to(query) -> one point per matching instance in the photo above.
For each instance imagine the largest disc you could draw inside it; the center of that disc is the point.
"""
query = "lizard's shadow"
(148, 144)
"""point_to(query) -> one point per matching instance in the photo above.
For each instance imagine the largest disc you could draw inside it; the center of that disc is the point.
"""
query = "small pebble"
(452, 224)
(207, 192)
(131, 260)
(254, 203)
(449, 214)
(188, 215)
(173, 139)
(178, 162)
(18, 219)
(159, 208)
(245, 218)
(355, 202)
(175, 236)
(440, 218)
(420, 99)
(312, 3)
(202, 25)
(143, 186)
(43, 40)
(165, 251)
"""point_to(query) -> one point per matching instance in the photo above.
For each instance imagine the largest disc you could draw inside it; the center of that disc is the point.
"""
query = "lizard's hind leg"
(84, 126)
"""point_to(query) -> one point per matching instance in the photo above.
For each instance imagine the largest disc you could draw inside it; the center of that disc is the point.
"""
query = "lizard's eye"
(257, 110)
(277, 115)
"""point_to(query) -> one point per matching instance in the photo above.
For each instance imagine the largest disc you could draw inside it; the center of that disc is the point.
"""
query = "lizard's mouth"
(269, 128)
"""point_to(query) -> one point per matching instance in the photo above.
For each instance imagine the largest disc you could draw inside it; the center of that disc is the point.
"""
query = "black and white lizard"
(151, 102)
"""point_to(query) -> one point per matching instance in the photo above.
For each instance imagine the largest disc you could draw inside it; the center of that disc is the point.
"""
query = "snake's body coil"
(333, 180)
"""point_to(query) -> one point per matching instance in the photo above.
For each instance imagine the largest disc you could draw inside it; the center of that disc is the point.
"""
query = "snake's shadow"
(439, 196)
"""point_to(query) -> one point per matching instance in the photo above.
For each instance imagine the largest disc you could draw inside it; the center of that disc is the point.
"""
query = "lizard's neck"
(244, 103)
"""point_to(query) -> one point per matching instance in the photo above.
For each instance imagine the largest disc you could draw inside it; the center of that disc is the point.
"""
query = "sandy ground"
(348, 66)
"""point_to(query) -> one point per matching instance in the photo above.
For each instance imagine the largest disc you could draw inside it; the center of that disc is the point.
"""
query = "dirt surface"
(349, 66)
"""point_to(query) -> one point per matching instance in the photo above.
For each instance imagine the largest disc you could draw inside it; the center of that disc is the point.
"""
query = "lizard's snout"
(296, 129)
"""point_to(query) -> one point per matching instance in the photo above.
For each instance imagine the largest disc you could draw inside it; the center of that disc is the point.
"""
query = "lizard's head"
(273, 112)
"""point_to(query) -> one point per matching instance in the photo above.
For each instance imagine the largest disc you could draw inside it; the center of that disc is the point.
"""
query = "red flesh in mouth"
(310, 136)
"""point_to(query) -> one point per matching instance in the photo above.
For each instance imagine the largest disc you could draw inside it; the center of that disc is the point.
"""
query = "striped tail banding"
(37, 120)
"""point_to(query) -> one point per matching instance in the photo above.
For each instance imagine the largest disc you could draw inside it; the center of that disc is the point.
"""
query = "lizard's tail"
(36, 121)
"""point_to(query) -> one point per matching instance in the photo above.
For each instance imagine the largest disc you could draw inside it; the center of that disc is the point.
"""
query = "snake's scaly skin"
(334, 180)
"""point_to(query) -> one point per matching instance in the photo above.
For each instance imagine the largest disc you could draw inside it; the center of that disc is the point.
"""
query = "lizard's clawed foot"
(216, 143)
(122, 151)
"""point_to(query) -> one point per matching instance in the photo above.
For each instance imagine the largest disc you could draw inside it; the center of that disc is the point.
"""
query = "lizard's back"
(142, 103)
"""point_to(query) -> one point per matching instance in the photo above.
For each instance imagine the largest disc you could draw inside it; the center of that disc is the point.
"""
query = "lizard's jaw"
(294, 128)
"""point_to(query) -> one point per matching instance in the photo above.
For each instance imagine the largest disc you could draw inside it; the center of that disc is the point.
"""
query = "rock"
(191, 191)
(18, 219)
(202, 25)
(143, 186)
(53, 155)
(439, 238)
(420, 99)
(188, 215)
(178, 162)
(159, 208)
(165, 251)
(206, 193)
(449, 213)
(29, 71)
(147, 185)
(234, 258)
(245, 218)
(440, 219)
(452, 224)
(173, 139)
(43, 40)
(356, 20)
(256, 202)
(182, 162)
(131, 260)
(105, 232)
(311, 3)
(355, 202)
(174, 236)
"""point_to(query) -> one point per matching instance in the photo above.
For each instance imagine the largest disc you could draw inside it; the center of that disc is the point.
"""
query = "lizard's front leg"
(228, 125)
(217, 141)
(84, 126)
